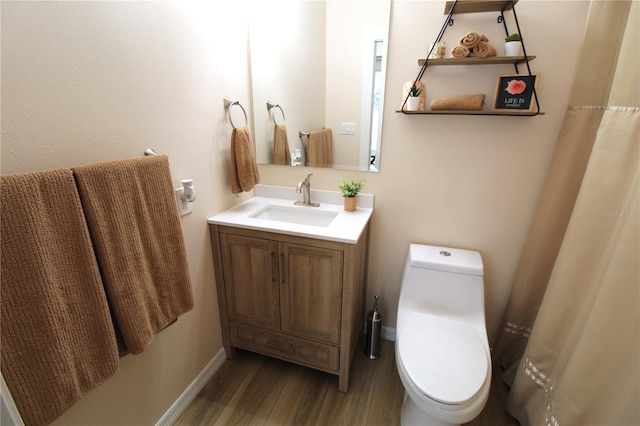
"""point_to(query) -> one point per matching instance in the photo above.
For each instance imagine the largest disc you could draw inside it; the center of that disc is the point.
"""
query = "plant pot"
(350, 204)
(513, 48)
(413, 103)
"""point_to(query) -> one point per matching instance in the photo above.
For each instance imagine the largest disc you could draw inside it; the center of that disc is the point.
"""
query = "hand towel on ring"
(244, 168)
(281, 152)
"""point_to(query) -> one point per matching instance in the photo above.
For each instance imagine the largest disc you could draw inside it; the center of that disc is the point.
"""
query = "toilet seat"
(444, 358)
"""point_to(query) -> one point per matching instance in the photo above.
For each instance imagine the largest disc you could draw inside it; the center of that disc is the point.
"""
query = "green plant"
(350, 189)
(513, 37)
(415, 91)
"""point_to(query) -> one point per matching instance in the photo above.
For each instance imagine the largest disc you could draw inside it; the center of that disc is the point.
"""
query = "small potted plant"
(413, 102)
(350, 192)
(513, 45)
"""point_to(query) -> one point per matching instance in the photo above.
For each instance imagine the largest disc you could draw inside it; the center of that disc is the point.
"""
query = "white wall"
(84, 82)
(461, 181)
(90, 81)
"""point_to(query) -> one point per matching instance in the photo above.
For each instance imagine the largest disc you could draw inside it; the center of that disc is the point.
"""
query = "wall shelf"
(475, 6)
(488, 112)
(494, 60)
(455, 7)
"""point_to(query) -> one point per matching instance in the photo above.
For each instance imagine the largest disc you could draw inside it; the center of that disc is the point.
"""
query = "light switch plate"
(348, 128)
(183, 208)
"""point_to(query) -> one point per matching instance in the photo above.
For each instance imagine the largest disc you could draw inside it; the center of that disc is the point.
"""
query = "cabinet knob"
(292, 348)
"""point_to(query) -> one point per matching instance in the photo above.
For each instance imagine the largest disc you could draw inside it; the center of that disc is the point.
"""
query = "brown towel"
(472, 39)
(135, 228)
(281, 153)
(244, 168)
(320, 148)
(460, 52)
(458, 103)
(483, 50)
(57, 337)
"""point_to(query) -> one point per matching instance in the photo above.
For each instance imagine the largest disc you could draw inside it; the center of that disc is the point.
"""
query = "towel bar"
(270, 107)
(301, 133)
(228, 103)
(150, 151)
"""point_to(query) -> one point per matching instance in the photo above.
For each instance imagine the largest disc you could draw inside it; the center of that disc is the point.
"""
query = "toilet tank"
(443, 281)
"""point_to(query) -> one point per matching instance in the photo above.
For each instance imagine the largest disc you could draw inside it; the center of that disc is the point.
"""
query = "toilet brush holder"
(374, 329)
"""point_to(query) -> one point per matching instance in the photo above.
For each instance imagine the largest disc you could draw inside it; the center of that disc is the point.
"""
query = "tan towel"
(483, 50)
(460, 52)
(471, 39)
(320, 148)
(244, 168)
(458, 103)
(281, 152)
(135, 228)
(57, 337)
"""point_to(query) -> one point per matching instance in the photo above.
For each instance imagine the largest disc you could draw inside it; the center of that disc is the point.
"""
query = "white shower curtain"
(570, 346)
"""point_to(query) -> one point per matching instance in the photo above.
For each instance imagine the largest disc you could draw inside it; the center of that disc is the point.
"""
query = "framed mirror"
(317, 76)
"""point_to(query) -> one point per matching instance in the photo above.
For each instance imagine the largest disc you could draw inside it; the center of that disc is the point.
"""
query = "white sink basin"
(272, 209)
(302, 215)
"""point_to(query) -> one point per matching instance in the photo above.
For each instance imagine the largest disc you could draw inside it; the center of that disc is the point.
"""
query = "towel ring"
(228, 103)
(301, 133)
(270, 107)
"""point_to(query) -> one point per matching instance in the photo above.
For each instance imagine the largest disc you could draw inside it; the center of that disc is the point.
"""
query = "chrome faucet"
(304, 186)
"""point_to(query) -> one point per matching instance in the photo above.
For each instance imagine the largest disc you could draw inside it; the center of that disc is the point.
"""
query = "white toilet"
(442, 351)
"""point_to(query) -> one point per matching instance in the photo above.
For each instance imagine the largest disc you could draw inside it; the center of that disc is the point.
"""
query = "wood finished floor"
(253, 389)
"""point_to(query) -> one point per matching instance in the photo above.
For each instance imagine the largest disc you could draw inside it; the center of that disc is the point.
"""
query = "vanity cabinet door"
(311, 292)
(294, 298)
(251, 275)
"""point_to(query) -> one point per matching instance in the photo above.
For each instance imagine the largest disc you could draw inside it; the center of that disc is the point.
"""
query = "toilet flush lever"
(445, 253)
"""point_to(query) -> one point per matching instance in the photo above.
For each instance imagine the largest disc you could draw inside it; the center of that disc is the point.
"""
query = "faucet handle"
(307, 180)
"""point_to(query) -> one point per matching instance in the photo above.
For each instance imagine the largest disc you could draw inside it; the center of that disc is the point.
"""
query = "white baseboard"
(193, 389)
(388, 333)
(9, 414)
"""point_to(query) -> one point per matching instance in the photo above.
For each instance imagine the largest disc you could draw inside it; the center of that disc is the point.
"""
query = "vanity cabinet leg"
(343, 383)
(230, 351)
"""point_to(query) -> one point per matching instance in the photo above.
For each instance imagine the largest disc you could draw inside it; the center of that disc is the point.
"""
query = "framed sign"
(514, 92)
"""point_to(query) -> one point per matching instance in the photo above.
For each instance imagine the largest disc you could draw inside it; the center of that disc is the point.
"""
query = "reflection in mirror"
(319, 65)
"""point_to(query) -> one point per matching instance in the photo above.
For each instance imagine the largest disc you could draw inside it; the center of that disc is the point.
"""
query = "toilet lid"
(444, 358)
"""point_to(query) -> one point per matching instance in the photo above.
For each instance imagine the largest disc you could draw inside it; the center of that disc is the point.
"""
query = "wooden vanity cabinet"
(294, 298)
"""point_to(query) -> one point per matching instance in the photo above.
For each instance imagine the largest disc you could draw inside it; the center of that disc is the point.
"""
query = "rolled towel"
(483, 50)
(458, 103)
(460, 52)
(472, 39)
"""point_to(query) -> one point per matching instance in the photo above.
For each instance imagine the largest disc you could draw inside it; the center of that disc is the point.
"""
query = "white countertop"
(346, 227)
